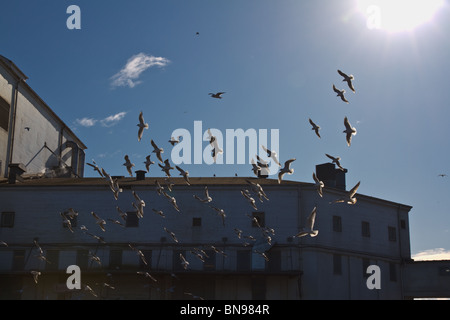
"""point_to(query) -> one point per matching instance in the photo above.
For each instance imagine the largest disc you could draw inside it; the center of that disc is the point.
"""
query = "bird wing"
(141, 118)
(350, 85)
(95, 215)
(342, 74)
(335, 89)
(353, 190)
(154, 145)
(140, 133)
(315, 178)
(347, 124)
(312, 218)
(287, 164)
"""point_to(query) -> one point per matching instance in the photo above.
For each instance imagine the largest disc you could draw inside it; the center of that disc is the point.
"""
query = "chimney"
(140, 175)
(15, 172)
(331, 177)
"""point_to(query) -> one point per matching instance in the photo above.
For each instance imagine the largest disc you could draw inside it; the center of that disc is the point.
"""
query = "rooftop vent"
(331, 177)
(140, 175)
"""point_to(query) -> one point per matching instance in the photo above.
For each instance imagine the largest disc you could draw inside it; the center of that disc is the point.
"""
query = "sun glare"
(398, 15)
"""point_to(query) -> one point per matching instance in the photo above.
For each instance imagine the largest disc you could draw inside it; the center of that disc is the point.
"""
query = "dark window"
(115, 259)
(337, 264)
(243, 260)
(196, 222)
(403, 224)
(258, 288)
(18, 260)
(392, 233)
(132, 220)
(260, 219)
(365, 229)
(392, 272)
(4, 114)
(210, 260)
(147, 258)
(53, 258)
(7, 220)
(274, 263)
(337, 224)
(365, 265)
(82, 259)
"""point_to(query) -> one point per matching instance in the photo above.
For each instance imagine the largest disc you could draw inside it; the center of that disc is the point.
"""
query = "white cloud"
(432, 254)
(137, 64)
(113, 119)
(86, 122)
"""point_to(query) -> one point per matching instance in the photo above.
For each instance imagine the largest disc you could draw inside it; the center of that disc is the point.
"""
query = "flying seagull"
(166, 168)
(272, 154)
(249, 198)
(350, 197)
(319, 185)
(96, 167)
(184, 173)
(128, 165)
(443, 175)
(309, 228)
(35, 274)
(101, 222)
(184, 262)
(221, 213)
(157, 150)
(142, 125)
(286, 169)
(348, 79)
(147, 275)
(255, 168)
(174, 141)
(340, 93)
(207, 197)
(336, 160)
(215, 145)
(349, 131)
(217, 95)
(148, 163)
(171, 234)
(315, 127)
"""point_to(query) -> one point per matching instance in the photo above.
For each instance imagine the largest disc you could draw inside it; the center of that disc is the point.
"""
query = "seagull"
(166, 168)
(217, 95)
(255, 220)
(340, 93)
(142, 125)
(207, 196)
(215, 145)
(66, 221)
(129, 165)
(36, 244)
(159, 188)
(94, 258)
(139, 253)
(174, 141)
(99, 239)
(256, 187)
(71, 213)
(221, 213)
(116, 222)
(198, 255)
(238, 232)
(315, 127)
(159, 212)
(169, 183)
(348, 79)
(262, 254)
(147, 275)
(157, 150)
(218, 250)
(251, 200)
(309, 229)
(99, 221)
(172, 200)
(286, 169)
(43, 258)
(3, 243)
(35, 274)
(27, 128)
(122, 214)
(443, 175)
(336, 160)
(139, 208)
(272, 154)
(193, 296)
(96, 167)
(319, 185)
(148, 163)
(350, 198)
(88, 288)
(184, 173)
(349, 131)
(184, 262)
(255, 168)
(114, 185)
(171, 234)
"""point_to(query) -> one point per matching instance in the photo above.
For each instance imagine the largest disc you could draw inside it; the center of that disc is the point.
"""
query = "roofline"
(22, 77)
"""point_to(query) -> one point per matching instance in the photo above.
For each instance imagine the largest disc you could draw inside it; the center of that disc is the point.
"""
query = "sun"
(398, 15)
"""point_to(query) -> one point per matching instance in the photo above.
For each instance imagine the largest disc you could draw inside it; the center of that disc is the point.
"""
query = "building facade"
(31, 134)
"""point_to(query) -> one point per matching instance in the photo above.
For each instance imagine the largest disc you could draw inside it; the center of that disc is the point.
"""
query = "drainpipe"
(12, 126)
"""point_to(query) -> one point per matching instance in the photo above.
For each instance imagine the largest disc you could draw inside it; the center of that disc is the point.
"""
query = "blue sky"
(277, 62)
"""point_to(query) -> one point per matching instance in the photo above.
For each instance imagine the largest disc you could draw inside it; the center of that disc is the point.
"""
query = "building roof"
(10, 65)
(125, 182)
